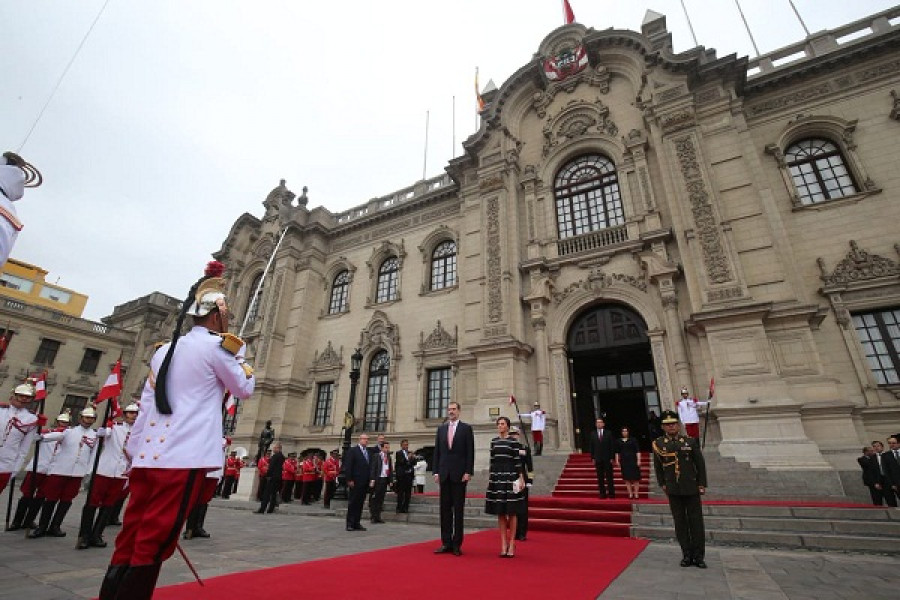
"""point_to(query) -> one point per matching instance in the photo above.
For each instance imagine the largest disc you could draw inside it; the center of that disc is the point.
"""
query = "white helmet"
(24, 389)
(64, 417)
(89, 412)
(132, 408)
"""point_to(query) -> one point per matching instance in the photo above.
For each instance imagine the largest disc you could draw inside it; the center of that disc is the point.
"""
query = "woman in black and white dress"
(504, 496)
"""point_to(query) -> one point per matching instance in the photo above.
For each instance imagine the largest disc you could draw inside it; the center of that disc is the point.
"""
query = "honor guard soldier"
(15, 175)
(72, 462)
(687, 412)
(109, 482)
(177, 438)
(32, 493)
(681, 472)
(19, 428)
(232, 468)
(331, 468)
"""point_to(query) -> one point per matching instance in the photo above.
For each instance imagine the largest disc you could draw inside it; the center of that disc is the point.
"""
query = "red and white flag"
(568, 15)
(512, 400)
(230, 406)
(113, 386)
(712, 388)
(40, 387)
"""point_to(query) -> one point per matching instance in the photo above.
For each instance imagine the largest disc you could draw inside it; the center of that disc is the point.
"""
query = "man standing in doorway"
(538, 422)
(602, 452)
(453, 464)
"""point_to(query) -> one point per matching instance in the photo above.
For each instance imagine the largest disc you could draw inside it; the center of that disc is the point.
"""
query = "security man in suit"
(528, 469)
(603, 449)
(681, 472)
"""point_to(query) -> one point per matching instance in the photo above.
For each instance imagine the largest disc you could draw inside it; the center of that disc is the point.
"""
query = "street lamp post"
(349, 419)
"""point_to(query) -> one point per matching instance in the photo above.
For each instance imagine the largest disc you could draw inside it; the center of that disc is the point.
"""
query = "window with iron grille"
(74, 404)
(375, 418)
(443, 265)
(324, 398)
(818, 171)
(46, 352)
(90, 360)
(387, 280)
(879, 334)
(340, 293)
(587, 196)
(439, 382)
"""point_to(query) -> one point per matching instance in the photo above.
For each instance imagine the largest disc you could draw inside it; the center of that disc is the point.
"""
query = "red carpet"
(569, 566)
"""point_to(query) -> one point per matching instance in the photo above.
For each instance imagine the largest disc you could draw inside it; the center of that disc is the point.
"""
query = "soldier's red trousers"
(61, 487)
(106, 491)
(693, 430)
(160, 502)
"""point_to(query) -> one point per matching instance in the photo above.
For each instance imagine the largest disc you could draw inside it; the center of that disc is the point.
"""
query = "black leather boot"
(44, 522)
(21, 511)
(114, 515)
(97, 540)
(109, 589)
(34, 507)
(138, 582)
(190, 525)
(84, 530)
(199, 531)
(61, 509)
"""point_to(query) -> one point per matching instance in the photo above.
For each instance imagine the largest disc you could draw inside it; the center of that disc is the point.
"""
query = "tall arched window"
(375, 417)
(818, 170)
(387, 280)
(340, 293)
(443, 265)
(254, 301)
(587, 196)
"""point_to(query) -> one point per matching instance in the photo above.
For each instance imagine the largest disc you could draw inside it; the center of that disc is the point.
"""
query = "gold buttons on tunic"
(155, 456)
(152, 423)
(148, 440)
(162, 439)
(142, 455)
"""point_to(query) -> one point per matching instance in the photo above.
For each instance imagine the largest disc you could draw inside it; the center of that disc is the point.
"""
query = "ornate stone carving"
(489, 184)
(577, 119)
(381, 333)
(673, 122)
(888, 68)
(437, 339)
(790, 99)
(598, 280)
(895, 108)
(858, 265)
(327, 359)
(597, 76)
(265, 336)
(717, 267)
(495, 298)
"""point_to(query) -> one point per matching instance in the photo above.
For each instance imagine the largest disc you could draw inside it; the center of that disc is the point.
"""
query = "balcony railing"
(593, 240)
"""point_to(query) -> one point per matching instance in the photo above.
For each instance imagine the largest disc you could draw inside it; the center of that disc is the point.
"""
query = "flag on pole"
(113, 386)
(40, 387)
(230, 406)
(712, 388)
(479, 101)
(568, 15)
(4, 341)
(512, 399)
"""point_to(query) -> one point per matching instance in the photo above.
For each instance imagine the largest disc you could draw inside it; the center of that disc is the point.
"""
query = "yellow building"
(26, 282)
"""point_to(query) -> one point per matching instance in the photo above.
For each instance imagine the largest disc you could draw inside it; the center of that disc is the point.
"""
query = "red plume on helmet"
(214, 269)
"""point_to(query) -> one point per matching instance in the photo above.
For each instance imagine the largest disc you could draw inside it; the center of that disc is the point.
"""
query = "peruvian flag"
(230, 406)
(40, 387)
(712, 388)
(568, 15)
(113, 386)
(512, 400)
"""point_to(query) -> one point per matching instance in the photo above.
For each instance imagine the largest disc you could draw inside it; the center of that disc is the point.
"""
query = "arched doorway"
(612, 372)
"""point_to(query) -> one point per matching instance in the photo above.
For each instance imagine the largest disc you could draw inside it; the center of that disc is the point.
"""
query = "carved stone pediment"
(438, 339)
(381, 333)
(598, 280)
(577, 119)
(859, 265)
(328, 357)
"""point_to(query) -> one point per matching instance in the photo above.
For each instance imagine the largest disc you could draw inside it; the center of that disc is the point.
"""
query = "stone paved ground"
(51, 569)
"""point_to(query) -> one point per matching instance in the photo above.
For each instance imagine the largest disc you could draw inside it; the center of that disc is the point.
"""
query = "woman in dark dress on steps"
(628, 459)
(506, 475)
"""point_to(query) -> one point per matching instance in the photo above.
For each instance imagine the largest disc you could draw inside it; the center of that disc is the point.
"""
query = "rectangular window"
(46, 353)
(879, 334)
(324, 399)
(90, 360)
(15, 283)
(74, 404)
(56, 295)
(439, 388)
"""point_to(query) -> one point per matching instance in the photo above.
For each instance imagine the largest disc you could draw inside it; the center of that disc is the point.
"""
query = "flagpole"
(453, 149)
(521, 423)
(709, 397)
(799, 18)
(261, 281)
(690, 25)
(746, 26)
(108, 428)
(425, 160)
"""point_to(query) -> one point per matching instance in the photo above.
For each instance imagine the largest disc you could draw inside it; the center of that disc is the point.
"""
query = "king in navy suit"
(454, 462)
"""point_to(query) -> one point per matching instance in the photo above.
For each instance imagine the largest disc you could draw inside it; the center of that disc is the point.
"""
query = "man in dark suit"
(272, 480)
(871, 476)
(883, 461)
(357, 474)
(404, 463)
(381, 471)
(453, 464)
(602, 452)
(891, 462)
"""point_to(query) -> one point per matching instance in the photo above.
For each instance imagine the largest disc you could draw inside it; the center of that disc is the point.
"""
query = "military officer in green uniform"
(682, 473)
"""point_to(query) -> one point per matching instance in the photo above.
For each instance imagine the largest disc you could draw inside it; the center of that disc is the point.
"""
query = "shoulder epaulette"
(231, 342)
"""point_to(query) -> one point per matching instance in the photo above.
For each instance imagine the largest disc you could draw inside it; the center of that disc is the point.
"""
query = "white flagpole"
(690, 25)
(453, 149)
(744, 19)
(799, 18)
(425, 160)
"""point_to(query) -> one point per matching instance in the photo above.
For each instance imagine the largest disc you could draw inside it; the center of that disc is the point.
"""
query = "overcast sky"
(177, 116)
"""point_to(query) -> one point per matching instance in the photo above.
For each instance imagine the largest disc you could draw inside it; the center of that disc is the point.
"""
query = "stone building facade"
(627, 221)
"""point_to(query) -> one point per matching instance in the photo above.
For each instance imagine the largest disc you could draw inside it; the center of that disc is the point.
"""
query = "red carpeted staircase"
(575, 506)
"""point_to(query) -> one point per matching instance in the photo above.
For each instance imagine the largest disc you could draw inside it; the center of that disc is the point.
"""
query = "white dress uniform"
(19, 429)
(190, 437)
(12, 187)
(75, 453)
(113, 460)
(49, 449)
(687, 410)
